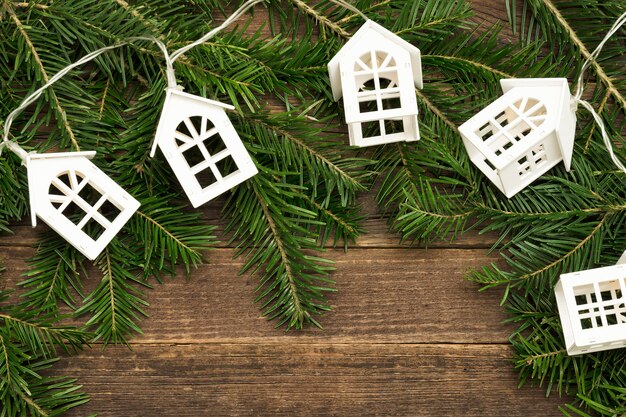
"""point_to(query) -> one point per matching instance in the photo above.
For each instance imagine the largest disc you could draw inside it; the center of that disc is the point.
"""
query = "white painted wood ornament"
(524, 133)
(376, 73)
(67, 191)
(592, 308)
(197, 138)
(202, 146)
(76, 199)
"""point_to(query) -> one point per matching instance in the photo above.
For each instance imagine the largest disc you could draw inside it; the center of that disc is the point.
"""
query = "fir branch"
(104, 98)
(368, 9)
(570, 253)
(273, 232)
(336, 171)
(61, 112)
(53, 277)
(6, 365)
(436, 111)
(320, 18)
(133, 11)
(343, 220)
(28, 5)
(531, 360)
(298, 314)
(46, 396)
(40, 336)
(33, 405)
(195, 255)
(117, 304)
(493, 211)
(28, 344)
(434, 60)
(167, 233)
(602, 75)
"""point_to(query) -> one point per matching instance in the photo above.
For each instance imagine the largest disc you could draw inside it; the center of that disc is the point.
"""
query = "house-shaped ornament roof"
(565, 116)
(371, 33)
(201, 146)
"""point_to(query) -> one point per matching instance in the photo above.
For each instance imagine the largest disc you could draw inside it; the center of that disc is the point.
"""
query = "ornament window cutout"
(204, 150)
(522, 134)
(592, 309)
(202, 146)
(378, 79)
(77, 200)
(376, 73)
(532, 161)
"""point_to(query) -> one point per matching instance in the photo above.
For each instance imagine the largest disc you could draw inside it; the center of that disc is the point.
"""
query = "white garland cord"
(616, 26)
(579, 91)
(13, 146)
(169, 64)
(605, 136)
(350, 7)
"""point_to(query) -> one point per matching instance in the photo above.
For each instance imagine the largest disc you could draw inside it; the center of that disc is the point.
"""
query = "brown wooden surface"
(407, 336)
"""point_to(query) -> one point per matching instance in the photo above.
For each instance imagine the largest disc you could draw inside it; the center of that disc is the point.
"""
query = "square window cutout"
(226, 166)
(90, 194)
(368, 106)
(394, 126)
(502, 118)
(371, 129)
(214, 144)
(391, 103)
(524, 166)
(109, 210)
(485, 131)
(93, 229)
(206, 178)
(193, 156)
(74, 213)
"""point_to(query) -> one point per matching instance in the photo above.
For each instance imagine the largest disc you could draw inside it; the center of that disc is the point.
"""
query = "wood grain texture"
(383, 295)
(315, 379)
(401, 295)
(407, 335)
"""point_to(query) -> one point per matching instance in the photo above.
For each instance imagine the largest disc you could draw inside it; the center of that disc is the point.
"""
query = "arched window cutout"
(375, 60)
(75, 197)
(514, 123)
(204, 150)
(377, 82)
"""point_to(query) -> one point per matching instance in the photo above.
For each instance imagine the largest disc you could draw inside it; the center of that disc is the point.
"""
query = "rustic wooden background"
(407, 336)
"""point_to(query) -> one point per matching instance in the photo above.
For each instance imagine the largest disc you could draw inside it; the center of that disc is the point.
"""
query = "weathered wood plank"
(394, 296)
(384, 295)
(317, 379)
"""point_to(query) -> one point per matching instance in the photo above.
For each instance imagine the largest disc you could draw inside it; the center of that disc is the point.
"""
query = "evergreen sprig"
(305, 192)
(29, 340)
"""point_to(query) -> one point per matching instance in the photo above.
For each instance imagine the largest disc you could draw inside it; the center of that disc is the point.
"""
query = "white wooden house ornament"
(376, 73)
(522, 134)
(77, 200)
(202, 146)
(592, 307)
